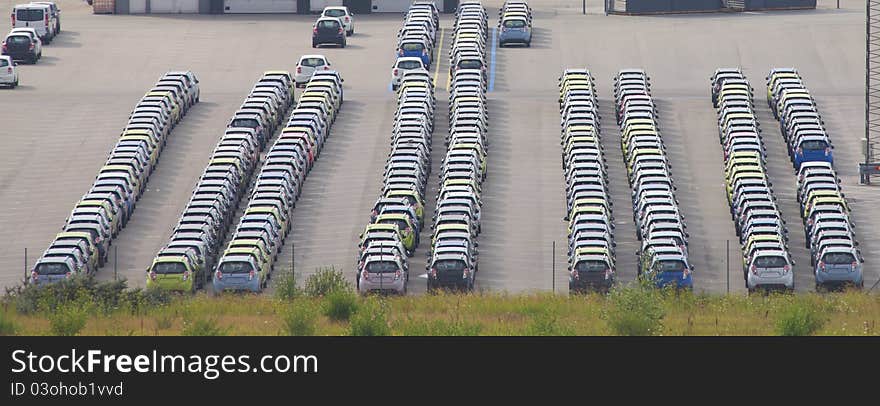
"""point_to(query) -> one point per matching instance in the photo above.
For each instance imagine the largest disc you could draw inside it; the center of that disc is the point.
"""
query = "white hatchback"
(307, 66)
(8, 73)
(344, 15)
(401, 66)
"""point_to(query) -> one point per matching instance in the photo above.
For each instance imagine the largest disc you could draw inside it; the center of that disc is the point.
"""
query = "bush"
(370, 320)
(634, 310)
(799, 318)
(68, 320)
(164, 321)
(285, 286)
(545, 323)
(202, 327)
(440, 327)
(324, 281)
(102, 296)
(340, 305)
(7, 327)
(300, 320)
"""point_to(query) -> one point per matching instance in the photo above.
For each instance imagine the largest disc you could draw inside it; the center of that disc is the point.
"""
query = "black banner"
(109, 370)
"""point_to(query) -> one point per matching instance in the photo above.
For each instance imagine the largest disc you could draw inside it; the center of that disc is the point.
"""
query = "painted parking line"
(492, 61)
(437, 59)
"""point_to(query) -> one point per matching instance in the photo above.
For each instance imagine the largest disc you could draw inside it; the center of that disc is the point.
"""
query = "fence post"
(293, 260)
(728, 266)
(584, 6)
(116, 263)
(554, 266)
(25, 265)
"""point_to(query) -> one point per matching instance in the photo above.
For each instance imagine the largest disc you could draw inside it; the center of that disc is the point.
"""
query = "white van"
(36, 16)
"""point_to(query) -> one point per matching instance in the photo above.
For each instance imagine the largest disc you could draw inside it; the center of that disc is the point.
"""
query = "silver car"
(383, 273)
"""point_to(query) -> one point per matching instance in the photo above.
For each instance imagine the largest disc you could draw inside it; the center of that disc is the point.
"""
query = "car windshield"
(409, 64)
(382, 267)
(412, 46)
(839, 258)
(449, 265)
(470, 64)
(51, 269)
(770, 262)
(328, 24)
(312, 62)
(814, 145)
(591, 266)
(514, 24)
(670, 265)
(31, 14)
(334, 13)
(245, 122)
(235, 267)
(18, 39)
(169, 268)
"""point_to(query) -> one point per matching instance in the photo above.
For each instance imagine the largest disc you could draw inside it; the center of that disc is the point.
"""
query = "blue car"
(416, 49)
(515, 31)
(839, 266)
(52, 270)
(237, 273)
(813, 149)
(671, 270)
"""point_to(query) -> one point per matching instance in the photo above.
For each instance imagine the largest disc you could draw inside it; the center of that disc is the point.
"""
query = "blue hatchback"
(813, 149)
(515, 31)
(415, 49)
(237, 273)
(671, 270)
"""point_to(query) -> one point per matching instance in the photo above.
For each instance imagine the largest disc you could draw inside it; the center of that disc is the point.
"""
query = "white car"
(307, 66)
(8, 73)
(402, 65)
(344, 15)
(37, 16)
(38, 47)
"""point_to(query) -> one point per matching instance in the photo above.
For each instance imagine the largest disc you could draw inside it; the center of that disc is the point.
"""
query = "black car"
(21, 48)
(328, 31)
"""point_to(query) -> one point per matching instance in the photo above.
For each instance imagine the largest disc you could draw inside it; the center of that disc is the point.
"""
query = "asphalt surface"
(60, 124)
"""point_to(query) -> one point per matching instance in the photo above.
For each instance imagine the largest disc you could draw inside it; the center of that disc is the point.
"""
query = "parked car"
(328, 30)
(8, 72)
(343, 14)
(22, 47)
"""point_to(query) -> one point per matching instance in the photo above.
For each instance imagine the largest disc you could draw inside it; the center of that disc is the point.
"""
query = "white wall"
(394, 6)
(173, 6)
(318, 5)
(137, 6)
(259, 6)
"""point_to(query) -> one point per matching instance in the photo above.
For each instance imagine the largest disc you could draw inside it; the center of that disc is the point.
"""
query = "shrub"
(101, 296)
(324, 281)
(799, 318)
(164, 321)
(7, 327)
(300, 319)
(202, 327)
(68, 320)
(285, 286)
(545, 323)
(340, 305)
(370, 320)
(634, 310)
(440, 327)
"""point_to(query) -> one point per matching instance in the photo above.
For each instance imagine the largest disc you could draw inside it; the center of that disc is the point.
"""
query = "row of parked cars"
(663, 255)
(453, 260)
(33, 24)
(397, 218)
(83, 245)
(834, 254)
(515, 23)
(249, 258)
(183, 263)
(416, 40)
(760, 227)
(591, 253)
(799, 121)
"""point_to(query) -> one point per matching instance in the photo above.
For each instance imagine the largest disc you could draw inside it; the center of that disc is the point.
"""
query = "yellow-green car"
(407, 230)
(175, 273)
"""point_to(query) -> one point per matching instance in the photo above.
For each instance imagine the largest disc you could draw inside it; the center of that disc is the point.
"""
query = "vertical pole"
(867, 82)
(25, 265)
(554, 266)
(293, 259)
(116, 263)
(584, 7)
(728, 266)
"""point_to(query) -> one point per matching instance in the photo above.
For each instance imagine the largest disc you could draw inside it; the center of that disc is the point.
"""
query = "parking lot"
(60, 123)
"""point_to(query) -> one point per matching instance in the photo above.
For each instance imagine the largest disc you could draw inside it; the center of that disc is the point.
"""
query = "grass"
(847, 313)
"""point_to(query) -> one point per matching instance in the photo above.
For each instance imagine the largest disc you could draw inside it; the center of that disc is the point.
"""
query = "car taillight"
(46, 16)
(152, 275)
(397, 275)
(800, 151)
(13, 20)
(219, 275)
(400, 52)
(68, 275)
(433, 272)
(4, 46)
(340, 30)
(347, 19)
(186, 275)
(394, 72)
(827, 151)
(754, 269)
(315, 30)
(366, 275)
(32, 46)
(424, 52)
(408, 229)
(34, 276)
(574, 274)
(299, 69)
(822, 265)
(9, 70)
(786, 268)
(466, 273)
(251, 275)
